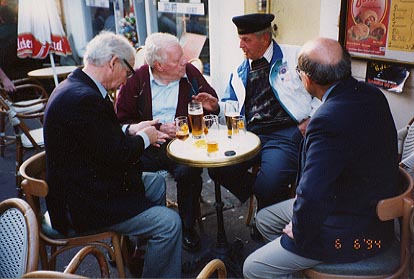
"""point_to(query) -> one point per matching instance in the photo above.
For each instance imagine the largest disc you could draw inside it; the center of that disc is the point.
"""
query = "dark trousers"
(278, 160)
(188, 179)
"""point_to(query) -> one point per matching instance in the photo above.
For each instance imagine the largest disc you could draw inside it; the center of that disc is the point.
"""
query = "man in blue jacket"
(348, 163)
(93, 165)
(276, 108)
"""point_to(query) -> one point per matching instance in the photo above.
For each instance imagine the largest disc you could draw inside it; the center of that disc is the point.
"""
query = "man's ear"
(158, 66)
(112, 63)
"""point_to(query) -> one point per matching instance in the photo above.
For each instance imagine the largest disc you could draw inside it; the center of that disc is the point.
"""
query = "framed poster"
(379, 29)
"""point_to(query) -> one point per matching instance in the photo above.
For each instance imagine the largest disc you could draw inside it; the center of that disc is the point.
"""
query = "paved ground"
(234, 218)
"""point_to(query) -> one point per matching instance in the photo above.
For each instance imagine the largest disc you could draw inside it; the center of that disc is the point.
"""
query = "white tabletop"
(61, 71)
(193, 152)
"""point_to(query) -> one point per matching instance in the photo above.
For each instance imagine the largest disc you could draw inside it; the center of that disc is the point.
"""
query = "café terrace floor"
(234, 220)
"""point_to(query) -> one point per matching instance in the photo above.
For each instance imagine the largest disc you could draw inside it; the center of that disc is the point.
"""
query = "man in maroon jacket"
(161, 90)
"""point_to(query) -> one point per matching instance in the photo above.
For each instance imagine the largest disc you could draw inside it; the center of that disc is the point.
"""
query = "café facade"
(206, 31)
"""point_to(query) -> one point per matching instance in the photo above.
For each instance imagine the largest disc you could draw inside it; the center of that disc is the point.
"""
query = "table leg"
(229, 254)
(221, 233)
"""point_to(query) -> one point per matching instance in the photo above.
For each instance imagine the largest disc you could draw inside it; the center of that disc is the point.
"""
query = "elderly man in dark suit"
(348, 163)
(93, 167)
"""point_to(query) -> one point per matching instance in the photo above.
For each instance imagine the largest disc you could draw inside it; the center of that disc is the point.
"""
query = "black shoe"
(191, 240)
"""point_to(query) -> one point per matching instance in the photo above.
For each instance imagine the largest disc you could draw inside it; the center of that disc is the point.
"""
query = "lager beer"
(229, 116)
(195, 114)
(211, 132)
(181, 128)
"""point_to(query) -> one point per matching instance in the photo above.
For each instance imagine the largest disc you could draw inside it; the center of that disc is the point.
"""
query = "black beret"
(252, 23)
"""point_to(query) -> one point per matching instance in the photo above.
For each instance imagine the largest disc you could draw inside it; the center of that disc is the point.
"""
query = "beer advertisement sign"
(367, 26)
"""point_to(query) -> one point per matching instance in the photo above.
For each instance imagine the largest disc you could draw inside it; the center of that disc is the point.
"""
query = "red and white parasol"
(40, 31)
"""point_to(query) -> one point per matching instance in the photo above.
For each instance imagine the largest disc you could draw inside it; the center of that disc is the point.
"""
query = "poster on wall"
(367, 26)
(387, 75)
(380, 29)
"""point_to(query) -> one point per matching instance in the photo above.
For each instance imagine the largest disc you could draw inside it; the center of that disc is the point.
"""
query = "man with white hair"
(93, 165)
(161, 90)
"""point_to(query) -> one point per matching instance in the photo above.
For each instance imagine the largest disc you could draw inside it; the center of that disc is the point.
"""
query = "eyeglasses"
(298, 71)
(131, 71)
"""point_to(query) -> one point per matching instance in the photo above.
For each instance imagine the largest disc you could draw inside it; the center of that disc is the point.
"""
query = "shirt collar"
(101, 88)
(267, 55)
(325, 96)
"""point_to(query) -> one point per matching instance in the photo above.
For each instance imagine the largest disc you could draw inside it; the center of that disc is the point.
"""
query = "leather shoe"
(191, 240)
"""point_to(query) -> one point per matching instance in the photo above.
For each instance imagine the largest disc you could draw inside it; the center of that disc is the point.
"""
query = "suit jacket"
(93, 168)
(349, 162)
(134, 103)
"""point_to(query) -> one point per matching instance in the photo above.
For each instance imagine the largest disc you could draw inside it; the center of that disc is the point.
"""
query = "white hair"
(106, 45)
(155, 46)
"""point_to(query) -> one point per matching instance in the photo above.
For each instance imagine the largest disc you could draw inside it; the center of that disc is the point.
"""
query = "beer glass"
(181, 128)
(211, 134)
(231, 108)
(238, 126)
(195, 114)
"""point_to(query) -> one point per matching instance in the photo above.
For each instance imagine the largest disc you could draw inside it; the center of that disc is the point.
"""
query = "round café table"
(47, 73)
(192, 152)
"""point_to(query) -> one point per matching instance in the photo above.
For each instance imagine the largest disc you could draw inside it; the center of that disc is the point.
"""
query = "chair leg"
(250, 210)
(116, 242)
(43, 256)
(19, 161)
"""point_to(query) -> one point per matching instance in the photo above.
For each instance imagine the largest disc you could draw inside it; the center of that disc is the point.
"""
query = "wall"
(297, 24)
(225, 54)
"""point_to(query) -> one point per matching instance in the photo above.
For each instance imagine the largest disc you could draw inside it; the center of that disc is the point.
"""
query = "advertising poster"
(387, 75)
(367, 26)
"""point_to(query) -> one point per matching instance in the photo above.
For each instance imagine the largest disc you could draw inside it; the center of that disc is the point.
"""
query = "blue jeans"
(161, 226)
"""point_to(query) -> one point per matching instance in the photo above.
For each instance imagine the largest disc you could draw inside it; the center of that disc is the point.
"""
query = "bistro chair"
(36, 189)
(392, 263)
(19, 241)
(26, 138)
(30, 97)
(213, 266)
(406, 146)
(73, 266)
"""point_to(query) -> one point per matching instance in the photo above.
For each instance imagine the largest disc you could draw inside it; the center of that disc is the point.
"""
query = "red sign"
(367, 26)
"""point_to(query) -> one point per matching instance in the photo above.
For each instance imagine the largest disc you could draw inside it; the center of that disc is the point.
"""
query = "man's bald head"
(325, 61)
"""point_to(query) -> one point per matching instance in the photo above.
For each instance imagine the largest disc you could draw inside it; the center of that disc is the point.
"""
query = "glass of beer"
(211, 134)
(231, 109)
(181, 128)
(195, 114)
(238, 126)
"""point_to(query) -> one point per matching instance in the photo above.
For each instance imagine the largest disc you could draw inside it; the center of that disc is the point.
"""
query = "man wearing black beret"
(276, 108)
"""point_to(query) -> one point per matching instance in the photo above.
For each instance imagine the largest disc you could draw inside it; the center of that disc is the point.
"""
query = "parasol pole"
(52, 62)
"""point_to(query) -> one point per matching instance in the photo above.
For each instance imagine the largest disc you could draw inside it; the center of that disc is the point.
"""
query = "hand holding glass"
(211, 134)
(181, 127)
(195, 113)
(231, 108)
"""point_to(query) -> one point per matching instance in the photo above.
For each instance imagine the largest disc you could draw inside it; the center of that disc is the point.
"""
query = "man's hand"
(135, 128)
(288, 230)
(169, 129)
(155, 136)
(209, 102)
(303, 125)
(8, 85)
